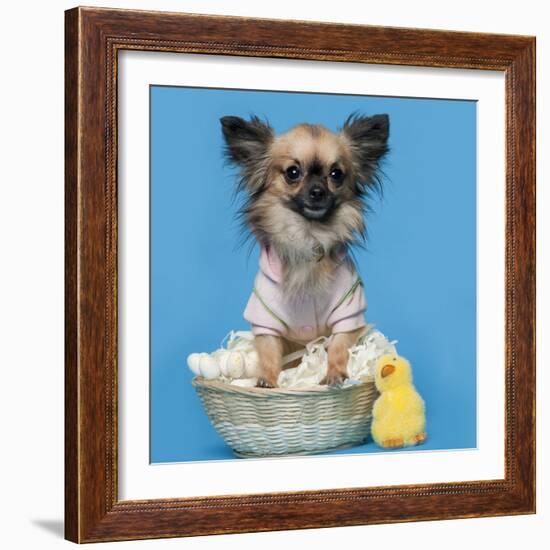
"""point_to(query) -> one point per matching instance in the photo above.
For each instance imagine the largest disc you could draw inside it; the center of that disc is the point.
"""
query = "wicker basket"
(260, 422)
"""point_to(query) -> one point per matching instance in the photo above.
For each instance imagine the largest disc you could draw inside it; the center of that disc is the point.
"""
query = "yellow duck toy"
(398, 415)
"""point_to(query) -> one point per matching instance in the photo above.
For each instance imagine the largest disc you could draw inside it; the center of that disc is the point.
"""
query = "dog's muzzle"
(316, 203)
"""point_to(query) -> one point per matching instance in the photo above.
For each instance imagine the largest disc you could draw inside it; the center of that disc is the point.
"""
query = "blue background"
(419, 267)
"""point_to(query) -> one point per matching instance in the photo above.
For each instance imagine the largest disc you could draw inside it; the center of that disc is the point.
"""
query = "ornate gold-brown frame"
(93, 39)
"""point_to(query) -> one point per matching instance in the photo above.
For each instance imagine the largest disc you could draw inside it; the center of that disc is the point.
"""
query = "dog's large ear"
(247, 146)
(368, 139)
(246, 140)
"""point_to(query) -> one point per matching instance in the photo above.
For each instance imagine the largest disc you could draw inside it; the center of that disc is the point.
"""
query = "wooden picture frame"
(93, 511)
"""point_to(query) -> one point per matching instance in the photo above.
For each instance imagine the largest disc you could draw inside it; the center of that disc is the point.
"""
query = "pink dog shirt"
(340, 310)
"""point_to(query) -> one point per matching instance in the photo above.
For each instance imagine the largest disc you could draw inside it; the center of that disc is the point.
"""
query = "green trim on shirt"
(269, 310)
(348, 294)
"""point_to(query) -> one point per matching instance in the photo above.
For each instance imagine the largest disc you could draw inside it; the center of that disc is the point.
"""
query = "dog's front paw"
(265, 383)
(334, 377)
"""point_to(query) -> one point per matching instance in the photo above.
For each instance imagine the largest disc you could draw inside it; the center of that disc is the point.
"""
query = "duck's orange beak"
(387, 370)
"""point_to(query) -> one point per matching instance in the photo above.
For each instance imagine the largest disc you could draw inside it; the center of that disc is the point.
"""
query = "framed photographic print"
(300, 275)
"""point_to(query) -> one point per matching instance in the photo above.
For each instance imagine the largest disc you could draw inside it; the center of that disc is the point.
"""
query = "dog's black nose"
(317, 193)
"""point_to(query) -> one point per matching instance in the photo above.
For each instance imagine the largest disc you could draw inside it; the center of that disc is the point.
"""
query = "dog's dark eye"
(337, 175)
(293, 173)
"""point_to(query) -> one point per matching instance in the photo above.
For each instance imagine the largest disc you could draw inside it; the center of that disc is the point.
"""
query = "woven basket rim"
(224, 387)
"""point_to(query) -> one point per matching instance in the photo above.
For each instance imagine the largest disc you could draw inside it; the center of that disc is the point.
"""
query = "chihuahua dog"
(305, 202)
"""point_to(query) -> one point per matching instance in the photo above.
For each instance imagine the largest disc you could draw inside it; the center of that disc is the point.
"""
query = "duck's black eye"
(337, 175)
(293, 173)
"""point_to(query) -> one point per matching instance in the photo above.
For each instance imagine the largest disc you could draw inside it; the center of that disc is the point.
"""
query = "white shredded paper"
(236, 362)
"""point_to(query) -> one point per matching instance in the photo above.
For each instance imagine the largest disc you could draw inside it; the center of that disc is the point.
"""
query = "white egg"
(232, 364)
(193, 361)
(235, 364)
(208, 366)
(222, 362)
(251, 362)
